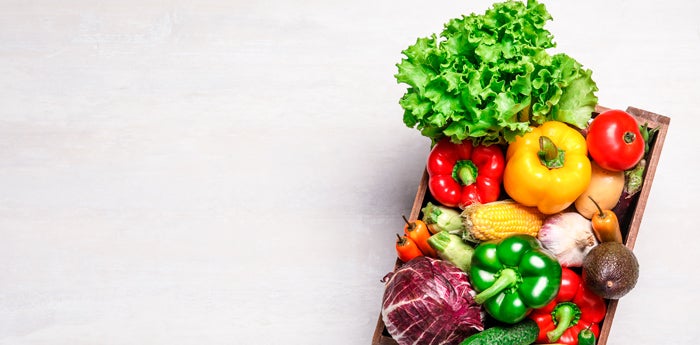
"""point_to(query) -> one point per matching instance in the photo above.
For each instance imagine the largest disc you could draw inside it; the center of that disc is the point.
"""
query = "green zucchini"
(521, 333)
(451, 248)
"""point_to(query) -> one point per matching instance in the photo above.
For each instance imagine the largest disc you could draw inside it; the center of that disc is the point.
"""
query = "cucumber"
(522, 333)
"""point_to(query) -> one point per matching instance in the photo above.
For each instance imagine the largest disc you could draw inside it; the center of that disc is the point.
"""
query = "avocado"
(610, 270)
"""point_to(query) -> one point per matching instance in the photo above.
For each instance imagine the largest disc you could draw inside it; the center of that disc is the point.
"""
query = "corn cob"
(500, 219)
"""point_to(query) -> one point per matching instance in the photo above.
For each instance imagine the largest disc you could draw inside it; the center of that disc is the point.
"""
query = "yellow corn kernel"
(500, 219)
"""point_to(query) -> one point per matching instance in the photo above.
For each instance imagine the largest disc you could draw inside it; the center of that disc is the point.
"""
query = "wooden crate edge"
(378, 338)
(655, 121)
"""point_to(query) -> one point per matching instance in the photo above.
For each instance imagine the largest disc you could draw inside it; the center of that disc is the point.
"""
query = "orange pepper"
(407, 249)
(605, 225)
(419, 233)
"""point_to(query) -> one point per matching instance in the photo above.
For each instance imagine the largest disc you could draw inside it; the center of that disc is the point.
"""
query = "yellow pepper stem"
(550, 155)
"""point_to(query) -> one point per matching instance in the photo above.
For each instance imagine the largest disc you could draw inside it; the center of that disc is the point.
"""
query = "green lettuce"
(488, 78)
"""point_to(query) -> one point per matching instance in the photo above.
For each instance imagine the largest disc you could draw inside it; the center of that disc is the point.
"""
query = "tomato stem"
(629, 137)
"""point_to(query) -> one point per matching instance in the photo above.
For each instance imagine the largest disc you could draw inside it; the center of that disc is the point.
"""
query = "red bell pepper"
(574, 309)
(462, 174)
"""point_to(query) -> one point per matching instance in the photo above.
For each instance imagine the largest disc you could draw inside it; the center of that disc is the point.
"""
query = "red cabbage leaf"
(429, 301)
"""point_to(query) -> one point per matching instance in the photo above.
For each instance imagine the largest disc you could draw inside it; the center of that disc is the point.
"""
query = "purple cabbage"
(429, 301)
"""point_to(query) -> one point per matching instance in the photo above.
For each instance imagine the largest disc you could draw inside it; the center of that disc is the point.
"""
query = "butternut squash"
(605, 187)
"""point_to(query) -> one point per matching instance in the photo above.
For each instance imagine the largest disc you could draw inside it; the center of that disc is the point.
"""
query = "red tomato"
(614, 141)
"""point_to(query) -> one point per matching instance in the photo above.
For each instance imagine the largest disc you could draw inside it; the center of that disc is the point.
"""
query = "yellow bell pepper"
(547, 168)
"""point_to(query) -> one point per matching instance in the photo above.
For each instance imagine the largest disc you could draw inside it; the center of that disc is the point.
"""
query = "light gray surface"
(181, 172)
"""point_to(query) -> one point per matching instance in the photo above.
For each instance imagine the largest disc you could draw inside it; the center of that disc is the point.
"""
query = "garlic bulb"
(569, 236)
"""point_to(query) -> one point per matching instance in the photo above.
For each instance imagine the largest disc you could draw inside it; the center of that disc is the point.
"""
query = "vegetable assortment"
(526, 188)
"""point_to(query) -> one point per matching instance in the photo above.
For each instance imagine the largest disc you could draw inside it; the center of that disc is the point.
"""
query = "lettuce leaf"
(488, 78)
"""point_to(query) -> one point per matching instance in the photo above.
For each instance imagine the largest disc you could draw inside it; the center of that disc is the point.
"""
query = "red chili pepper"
(462, 174)
(574, 309)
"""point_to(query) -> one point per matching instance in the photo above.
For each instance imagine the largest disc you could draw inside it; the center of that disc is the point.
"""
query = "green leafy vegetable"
(488, 78)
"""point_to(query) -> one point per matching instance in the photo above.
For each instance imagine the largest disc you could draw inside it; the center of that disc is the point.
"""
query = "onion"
(569, 236)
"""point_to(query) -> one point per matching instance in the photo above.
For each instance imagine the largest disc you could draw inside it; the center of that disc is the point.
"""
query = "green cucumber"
(522, 333)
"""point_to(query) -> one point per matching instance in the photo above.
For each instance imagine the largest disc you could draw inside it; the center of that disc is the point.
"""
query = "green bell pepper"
(514, 276)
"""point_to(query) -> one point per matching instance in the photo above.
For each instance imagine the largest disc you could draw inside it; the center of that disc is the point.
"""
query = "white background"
(234, 172)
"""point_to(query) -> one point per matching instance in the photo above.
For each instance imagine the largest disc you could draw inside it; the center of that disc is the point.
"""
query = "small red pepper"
(462, 174)
(406, 249)
(418, 232)
(575, 308)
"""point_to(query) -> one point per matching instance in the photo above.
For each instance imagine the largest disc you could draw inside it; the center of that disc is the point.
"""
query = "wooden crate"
(630, 222)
